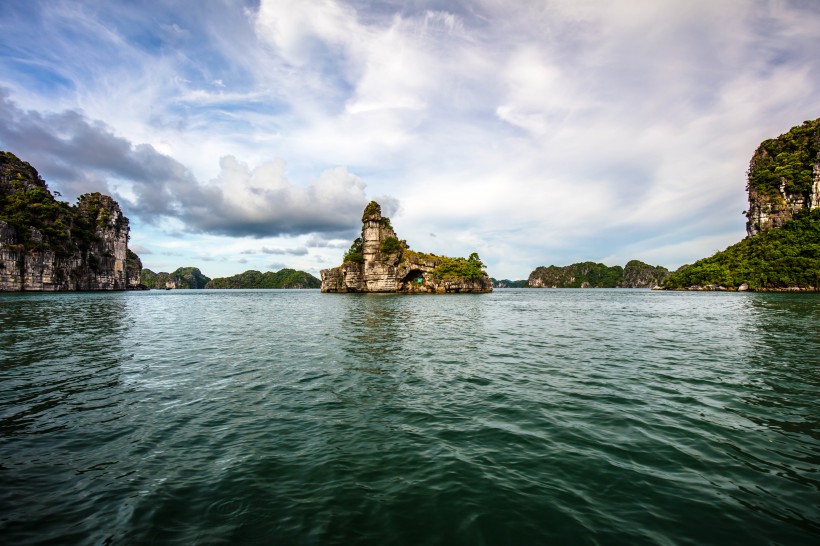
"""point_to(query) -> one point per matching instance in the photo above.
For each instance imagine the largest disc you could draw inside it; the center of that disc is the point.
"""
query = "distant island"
(636, 274)
(782, 250)
(507, 283)
(192, 278)
(183, 277)
(379, 261)
(284, 278)
(48, 245)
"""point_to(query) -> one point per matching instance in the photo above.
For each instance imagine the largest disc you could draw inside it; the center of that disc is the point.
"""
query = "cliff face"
(47, 245)
(640, 275)
(784, 178)
(380, 262)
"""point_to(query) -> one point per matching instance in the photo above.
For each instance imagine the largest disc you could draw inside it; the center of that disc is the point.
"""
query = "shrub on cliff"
(471, 269)
(390, 245)
(355, 253)
(372, 209)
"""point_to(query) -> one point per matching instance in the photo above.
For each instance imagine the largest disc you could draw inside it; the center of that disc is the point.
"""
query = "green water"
(517, 417)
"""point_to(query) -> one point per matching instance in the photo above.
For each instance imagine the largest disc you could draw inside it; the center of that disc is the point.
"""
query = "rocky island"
(781, 252)
(636, 274)
(379, 262)
(48, 245)
(282, 279)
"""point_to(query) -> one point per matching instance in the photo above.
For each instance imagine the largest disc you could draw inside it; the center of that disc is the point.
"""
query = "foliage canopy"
(284, 278)
(788, 160)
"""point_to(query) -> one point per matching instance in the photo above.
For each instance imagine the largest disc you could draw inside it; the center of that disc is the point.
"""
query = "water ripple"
(518, 417)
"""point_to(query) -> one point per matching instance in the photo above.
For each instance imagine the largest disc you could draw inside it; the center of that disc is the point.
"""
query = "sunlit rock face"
(386, 264)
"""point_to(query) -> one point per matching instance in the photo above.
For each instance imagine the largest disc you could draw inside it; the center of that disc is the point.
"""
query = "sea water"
(517, 417)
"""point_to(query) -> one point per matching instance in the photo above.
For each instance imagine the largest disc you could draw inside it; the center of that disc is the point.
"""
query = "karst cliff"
(781, 252)
(49, 245)
(379, 262)
(784, 178)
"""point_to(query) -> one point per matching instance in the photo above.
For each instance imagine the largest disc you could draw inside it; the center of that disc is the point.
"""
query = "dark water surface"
(518, 417)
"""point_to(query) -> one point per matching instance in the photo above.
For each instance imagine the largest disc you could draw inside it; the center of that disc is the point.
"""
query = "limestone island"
(47, 245)
(379, 262)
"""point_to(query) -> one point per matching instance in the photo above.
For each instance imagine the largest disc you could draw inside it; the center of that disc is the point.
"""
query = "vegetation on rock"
(391, 245)
(579, 275)
(786, 162)
(354, 254)
(50, 245)
(471, 269)
(775, 259)
(40, 221)
(183, 277)
(636, 274)
(507, 283)
(372, 209)
(284, 278)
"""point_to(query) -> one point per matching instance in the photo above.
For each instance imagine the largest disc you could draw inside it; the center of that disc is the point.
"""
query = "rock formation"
(284, 278)
(182, 277)
(784, 178)
(636, 274)
(380, 262)
(780, 253)
(47, 245)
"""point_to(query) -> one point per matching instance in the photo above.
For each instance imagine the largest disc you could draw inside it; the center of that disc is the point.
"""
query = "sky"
(250, 134)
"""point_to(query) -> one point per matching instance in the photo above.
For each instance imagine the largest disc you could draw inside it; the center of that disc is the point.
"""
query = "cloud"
(82, 155)
(314, 241)
(139, 249)
(276, 266)
(262, 201)
(301, 251)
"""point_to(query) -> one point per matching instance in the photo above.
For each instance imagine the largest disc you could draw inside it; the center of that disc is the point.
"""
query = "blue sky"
(250, 134)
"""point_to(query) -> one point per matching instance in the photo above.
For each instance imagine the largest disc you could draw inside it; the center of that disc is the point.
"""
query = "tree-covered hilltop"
(777, 259)
(40, 221)
(784, 177)
(284, 278)
(183, 277)
(785, 163)
(641, 275)
(636, 274)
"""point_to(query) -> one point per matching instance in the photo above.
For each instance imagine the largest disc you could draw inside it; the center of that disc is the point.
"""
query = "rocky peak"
(17, 175)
